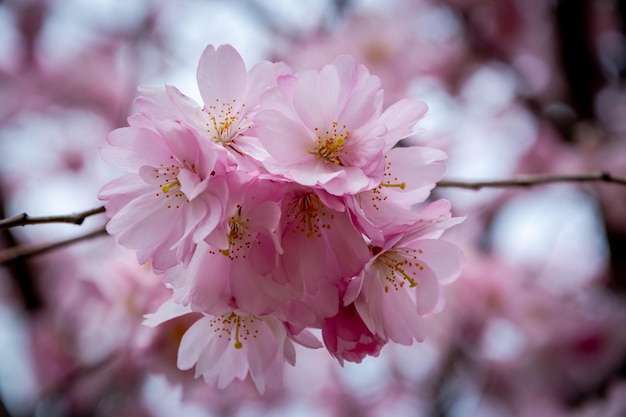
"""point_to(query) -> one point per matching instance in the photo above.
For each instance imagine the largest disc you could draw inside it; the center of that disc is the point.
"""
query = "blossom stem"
(21, 252)
(537, 179)
(24, 219)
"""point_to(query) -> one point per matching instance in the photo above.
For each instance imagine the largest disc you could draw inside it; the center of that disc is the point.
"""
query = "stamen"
(394, 261)
(238, 344)
(412, 282)
(166, 187)
(339, 141)
(307, 211)
(224, 122)
(401, 185)
(330, 144)
(239, 238)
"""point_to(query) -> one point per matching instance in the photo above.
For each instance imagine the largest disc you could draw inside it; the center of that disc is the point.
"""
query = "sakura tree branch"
(4, 412)
(535, 179)
(21, 252)
(24, 219)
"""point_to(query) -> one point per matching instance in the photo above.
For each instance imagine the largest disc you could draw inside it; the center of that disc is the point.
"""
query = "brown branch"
(23, 219)
(537, 179)
(4, 412)
(21, 252)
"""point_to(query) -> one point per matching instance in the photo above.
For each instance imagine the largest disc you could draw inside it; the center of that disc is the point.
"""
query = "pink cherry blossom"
(231, 98)
(164, 205)
(232, 346)
(410, 174)
(282, 204)
(347, 338)
(233, 268)
(321, 248)
(324, 129)
(401, 282)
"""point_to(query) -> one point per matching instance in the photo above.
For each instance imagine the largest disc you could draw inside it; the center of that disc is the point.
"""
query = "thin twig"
(21, 252)
(23, 219)
(532, 180)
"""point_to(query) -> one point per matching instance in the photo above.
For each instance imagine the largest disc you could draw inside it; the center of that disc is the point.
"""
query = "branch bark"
(21, 252)
(532, 180)
(24, 219)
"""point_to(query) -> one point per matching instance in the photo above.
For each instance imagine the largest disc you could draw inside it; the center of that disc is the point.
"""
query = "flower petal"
(221, 74)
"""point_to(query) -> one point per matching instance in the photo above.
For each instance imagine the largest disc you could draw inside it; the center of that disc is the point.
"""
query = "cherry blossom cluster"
(282, 204)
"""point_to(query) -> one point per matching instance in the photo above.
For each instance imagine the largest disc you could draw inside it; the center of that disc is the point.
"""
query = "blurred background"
(535, 326)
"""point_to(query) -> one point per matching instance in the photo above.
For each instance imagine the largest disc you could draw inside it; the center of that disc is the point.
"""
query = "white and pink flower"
(324, 129)
(401, 283)
(282, 204)
(164, 206)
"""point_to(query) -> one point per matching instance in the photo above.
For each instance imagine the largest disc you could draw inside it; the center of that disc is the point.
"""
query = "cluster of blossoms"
(279, 206)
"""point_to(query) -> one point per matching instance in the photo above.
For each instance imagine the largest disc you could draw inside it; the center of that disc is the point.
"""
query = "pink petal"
(193, 343)
(121, 191)
(402, 323)
(363, 104)
(142, 222)
(303, 258)
(166, 311)
(190, 183)
(192, 215)
(445, 259)
(262, 76)
(285, 139)
(400, 118)
(210, 273)
(427, 290)
(182, 143)
(214, 215)
(133, 147)
(418, 169)
(315, 97)
(221, 74)
(353, 290)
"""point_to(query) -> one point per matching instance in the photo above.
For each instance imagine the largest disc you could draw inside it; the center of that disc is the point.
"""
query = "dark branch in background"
(532, 180)
(24, 219)
(22, 274)
(578, 55)
(3, 410)
(19, 253)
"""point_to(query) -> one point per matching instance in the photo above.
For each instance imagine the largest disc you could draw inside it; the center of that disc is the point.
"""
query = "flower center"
(169, 185)
(239, 238)
(224, 121)
(399, 266)
(233, 326)
(376, 195)
(330, 144)
(309, 215)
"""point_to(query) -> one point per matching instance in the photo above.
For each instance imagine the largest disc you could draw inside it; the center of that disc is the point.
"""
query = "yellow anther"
(238, 344)
(339, 141)
(401, 185)
(412, 282)
(166, 187)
